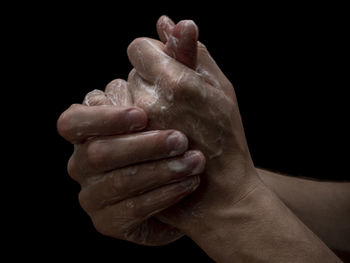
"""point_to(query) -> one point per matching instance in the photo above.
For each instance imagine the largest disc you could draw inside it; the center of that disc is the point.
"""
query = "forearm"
(259, 228)
(323, 206)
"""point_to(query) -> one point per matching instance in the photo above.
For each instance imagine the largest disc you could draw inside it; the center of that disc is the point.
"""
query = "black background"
(289, 66)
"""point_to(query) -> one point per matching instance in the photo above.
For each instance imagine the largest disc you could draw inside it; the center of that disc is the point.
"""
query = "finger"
(117, 219)
(146, 95)
(104, 154)
(153, 65)
(154, 232)
(204, 64)
(127, 182)
(148, 57)
(80, 122)
(118, 93)
(182, 43)
(96, 97)
(165, 27)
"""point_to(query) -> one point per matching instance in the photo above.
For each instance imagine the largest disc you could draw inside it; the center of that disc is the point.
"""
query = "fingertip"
(142, 52)
(95, 98)
(177, 143)
(131, 49)
(60, 125)
(197, 160)
(115, 85)
(134, 48)
(165, 26)
(137, 118)
(188, 27)
(118, 93)
(165, 21)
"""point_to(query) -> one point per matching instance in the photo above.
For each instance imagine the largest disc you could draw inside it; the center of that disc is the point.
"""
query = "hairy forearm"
(259, 228)
(323, 206)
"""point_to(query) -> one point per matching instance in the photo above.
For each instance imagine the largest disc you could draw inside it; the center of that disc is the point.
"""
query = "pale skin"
(134, 183)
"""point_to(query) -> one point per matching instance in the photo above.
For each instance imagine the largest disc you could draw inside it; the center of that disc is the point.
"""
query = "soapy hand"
(127, 176)
(140, 185)
(179, 86)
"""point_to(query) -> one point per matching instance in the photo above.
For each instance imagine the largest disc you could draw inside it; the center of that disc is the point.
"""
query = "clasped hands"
(157, 154)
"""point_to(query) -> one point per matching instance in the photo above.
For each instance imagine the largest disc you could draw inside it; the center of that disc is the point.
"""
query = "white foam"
(176, 166)
(216, 154)
(166, 35)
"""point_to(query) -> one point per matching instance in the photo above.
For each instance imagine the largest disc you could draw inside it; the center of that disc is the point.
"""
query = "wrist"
(214, 198)
(220, 221)
(257, 228)
(217, 190)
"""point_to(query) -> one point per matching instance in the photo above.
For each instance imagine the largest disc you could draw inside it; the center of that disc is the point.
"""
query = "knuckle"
(130, 208)
(95, 154)
(65, 125)
(114, 85)
(102, 229)
(135, 44)
(173, 81)
(100, 225)
(83, 200)
(95, 97)
(112, 224)
(72, 168)
(118, 184)
(183, 84)
(202, 49)
(133, 210)
(168, 78)
(132, 74)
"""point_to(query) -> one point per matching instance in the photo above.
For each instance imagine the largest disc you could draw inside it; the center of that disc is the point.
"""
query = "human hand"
(120, 189)
(196, 98)
(117, 92)
(226, 217)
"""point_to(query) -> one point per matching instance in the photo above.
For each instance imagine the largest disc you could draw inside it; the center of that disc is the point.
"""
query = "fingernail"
(177, 143)
(177, 166)
(195, 162)
(136, 119)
